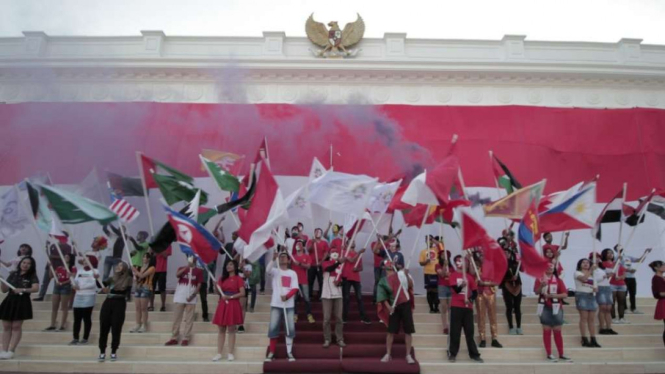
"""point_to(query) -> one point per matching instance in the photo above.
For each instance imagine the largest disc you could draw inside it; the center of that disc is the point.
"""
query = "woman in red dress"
(229, 310)
(658, 290)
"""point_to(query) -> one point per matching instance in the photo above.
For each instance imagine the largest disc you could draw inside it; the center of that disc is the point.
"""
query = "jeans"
(378, 274)
(632, 291)
(462, 319)
(109, 263)
(330, 307)
(314, 273)
(276, 316)
(304, 295)
(346, 295)
(45, 282)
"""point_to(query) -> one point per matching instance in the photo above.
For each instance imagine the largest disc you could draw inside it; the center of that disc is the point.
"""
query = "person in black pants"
(465, 292)
(112, 316)
(511, 288)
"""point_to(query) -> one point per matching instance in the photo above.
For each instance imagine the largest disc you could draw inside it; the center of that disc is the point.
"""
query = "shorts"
(159, 282)
(586, 302)
(431, 281)
(604, 295)
(142, 292)
(548, 318)
(401, 317)
(62, 289)
(445, 292)
(623, 288)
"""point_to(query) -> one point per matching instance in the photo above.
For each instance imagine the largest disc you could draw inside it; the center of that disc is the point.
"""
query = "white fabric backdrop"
(580, 243)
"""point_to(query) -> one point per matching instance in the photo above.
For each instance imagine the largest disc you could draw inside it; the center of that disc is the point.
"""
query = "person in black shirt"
(112, 315)
(511, 287)
(116, 255)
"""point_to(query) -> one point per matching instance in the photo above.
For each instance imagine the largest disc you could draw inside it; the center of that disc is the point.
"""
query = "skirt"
(84, 301)
(660, 310)
(585, 302)
(228, 314)
(548, 318)
(16, 308)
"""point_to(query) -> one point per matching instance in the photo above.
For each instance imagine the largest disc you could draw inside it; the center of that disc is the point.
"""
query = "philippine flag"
(574, 213)
(193, 236)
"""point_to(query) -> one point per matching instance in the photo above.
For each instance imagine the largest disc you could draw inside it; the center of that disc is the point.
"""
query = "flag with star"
(574, 213)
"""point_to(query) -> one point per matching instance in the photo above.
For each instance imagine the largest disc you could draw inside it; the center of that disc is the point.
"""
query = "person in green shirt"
(140, 248)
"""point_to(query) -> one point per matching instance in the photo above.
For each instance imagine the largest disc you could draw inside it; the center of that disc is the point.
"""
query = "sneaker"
(142, 329)
(241, 329)
(162, 309)
(341, 343)
(50, 328)
(310, 318)
(231, 357)
(616, 321)
(512, 331)
(74, 342)
(519, 331)
(326, 344)
(83, 342)
(136, 328)
(114, 357)
(184, 343)
(270, 357)
(496, 344)
(102, 357)
(62, 328)
(565, 359)
(217, 357)
(623, 321)
(366, 321)
(3, 355)
(386, 358)
(552, 358)
(477, 360)
(482, 344)
(262, 292)
(171, 342)
(410, 360)
(452, 358)
(291, 358)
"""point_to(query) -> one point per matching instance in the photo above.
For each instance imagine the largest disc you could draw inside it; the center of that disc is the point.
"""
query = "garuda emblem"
(336, 43)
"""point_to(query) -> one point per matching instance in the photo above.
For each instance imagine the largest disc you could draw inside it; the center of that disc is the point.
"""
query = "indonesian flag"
(268, 210)
(494, 260)
(433, 188)
(574, 213)
(125, 211)
(533, 263)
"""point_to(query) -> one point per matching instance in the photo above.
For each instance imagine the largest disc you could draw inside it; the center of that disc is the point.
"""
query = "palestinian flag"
(386, 290)
(504, 177)
(174, 189)
(224, 179)
(72, 208)
(151, 167)
(125, 186)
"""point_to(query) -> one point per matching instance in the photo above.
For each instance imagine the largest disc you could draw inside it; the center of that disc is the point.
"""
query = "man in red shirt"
(554, 248)
(465, 292)
(318, 249)
(159, 280)
(302, 262)
(351, 278)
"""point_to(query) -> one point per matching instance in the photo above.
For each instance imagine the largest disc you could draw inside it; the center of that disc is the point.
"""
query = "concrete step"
(465, 366)
(537, 354)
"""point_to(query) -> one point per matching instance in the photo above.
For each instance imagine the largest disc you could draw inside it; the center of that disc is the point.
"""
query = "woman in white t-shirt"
(585, 286)
(604, 297)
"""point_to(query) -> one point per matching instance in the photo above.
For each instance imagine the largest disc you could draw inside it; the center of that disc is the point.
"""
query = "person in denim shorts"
(586, 304)
(143, 291)
(604, 297)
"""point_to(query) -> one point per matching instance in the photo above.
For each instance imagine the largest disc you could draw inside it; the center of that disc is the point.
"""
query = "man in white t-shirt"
(284, 290)
(190, 279)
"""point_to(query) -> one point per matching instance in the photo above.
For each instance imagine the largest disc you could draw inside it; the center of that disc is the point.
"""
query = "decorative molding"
(277, 69)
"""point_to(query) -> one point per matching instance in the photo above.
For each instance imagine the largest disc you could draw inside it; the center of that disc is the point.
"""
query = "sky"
(557, 20)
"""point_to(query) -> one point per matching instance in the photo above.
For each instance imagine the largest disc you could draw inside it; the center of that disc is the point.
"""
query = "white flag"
(297, 204)
(12, 218)
(382, 195)
(90, 188)
(341, 192)
(317, 170)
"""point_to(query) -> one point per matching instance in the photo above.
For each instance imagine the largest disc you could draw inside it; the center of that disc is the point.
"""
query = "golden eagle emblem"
(335, 42)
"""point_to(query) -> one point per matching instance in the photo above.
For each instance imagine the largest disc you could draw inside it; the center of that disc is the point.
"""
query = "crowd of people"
(323, 268)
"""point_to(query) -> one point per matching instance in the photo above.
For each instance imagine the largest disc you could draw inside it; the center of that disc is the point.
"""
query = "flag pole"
(383, 244)
(9, 285)
(347, 247)
(623, 200)
(145, 191)
(445, 254)
(34, 226)
(124, 239)
(265, 141)
(369, 238)
(496, 183)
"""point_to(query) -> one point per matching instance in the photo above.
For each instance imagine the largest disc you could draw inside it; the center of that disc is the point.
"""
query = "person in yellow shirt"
(428, 260)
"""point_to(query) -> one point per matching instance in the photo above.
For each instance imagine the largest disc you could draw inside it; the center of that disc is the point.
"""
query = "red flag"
(533, 263)
(148, 166)
(414, 215)
(262, 153)
(396, 203)
(494, 260)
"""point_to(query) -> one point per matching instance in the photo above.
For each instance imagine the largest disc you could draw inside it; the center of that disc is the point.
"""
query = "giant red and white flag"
(267, 211)
(433, 187)
(124, 210)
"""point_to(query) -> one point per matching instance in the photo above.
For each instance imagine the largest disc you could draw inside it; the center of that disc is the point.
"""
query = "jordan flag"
(533, 263)
(433, 187)
(494, 260)
(268, 210)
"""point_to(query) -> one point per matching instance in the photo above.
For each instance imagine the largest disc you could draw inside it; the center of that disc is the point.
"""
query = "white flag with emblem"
(341, 192)
(382, 195)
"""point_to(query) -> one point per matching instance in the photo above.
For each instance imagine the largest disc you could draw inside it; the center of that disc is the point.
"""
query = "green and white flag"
(72, 208)
(174, 189)
(225, 180)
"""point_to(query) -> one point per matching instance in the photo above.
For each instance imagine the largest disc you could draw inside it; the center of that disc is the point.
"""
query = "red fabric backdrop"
(563, 145)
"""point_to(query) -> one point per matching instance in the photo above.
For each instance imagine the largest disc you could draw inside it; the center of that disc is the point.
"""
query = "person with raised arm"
(351, 279)
(302, 262)
(443, 269)
(427, 259)
(284, 289)
(85, 284)
(511, 288)
(486, 304)
(62, 293)
(112, 315)
(464, 294)
(317, 248)
(143, 291)
(585, 286)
